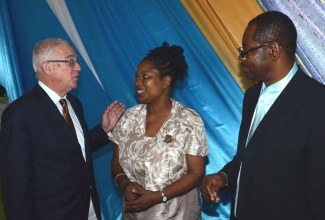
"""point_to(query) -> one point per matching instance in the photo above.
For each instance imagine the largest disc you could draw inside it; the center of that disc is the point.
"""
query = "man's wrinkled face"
(64, 75)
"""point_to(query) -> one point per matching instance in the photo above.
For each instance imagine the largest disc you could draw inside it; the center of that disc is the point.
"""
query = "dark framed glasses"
(242, 52)
(71, 62)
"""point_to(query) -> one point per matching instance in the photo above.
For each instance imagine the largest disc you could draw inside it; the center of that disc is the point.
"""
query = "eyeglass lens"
(73, 62)
(243, 52)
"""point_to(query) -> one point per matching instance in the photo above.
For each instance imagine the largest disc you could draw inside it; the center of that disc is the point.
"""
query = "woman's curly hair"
(169, 61)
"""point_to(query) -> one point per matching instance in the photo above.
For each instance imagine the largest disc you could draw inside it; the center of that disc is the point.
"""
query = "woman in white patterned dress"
(159, 157)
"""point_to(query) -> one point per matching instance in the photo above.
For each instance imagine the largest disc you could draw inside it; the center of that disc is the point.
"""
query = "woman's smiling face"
(148, 83)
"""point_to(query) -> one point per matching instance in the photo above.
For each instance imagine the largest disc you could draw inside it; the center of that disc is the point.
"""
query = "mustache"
(242, 64)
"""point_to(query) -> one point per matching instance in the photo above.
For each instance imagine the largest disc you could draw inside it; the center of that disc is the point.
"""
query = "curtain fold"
(121, 34)
(308, 17)
(116, 35)
(223, 24)
(9, 69)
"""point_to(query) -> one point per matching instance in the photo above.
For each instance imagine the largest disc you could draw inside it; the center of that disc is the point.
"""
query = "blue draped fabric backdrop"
(121, 35)
(9, 69)
(117, 35)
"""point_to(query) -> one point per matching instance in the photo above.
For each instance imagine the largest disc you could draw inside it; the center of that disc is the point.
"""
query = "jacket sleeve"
(98, 138)
(232, 168)
(16, 163)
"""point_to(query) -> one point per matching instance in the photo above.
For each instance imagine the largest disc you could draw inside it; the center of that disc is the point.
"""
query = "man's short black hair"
(275, 26)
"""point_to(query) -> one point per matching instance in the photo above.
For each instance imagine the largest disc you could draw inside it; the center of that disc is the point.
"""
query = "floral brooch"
(168, 138)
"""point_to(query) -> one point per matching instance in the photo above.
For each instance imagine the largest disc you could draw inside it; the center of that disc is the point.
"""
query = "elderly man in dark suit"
(278, 172)
(46, 164)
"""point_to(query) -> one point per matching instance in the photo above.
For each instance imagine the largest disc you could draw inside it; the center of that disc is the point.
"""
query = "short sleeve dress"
(156, 162)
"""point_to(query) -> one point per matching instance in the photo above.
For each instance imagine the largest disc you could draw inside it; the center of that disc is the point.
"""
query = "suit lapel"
(250, 102)
(55, 118)
(280, 105)
(46, 103)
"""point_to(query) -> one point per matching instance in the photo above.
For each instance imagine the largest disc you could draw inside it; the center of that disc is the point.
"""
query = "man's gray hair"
(44, 50)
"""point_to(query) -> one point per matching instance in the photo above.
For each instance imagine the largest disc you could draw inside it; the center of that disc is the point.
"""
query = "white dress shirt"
(56, 98)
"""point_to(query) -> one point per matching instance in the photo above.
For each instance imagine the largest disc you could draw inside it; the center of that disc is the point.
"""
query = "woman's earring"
(165, 92)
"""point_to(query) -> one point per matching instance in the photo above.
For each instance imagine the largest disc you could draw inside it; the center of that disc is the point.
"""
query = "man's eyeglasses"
(242, 52)
(71, 62)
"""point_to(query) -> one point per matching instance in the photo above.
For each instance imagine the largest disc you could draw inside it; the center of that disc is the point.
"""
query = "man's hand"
(211, 185)
(111, 115)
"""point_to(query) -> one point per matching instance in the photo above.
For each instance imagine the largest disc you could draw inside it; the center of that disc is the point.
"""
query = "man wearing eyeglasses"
(278, 172)
(46, 163)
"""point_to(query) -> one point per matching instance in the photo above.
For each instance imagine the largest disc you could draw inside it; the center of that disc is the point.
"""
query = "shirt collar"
(53, 95)
(280, 85)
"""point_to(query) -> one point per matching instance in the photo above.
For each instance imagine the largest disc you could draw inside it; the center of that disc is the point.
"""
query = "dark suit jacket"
(283, 165)
(43, 172)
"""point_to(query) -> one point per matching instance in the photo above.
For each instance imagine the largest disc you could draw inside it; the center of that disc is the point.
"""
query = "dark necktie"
(66, 115)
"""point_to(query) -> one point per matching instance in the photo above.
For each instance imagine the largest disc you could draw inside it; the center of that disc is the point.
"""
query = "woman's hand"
(145, 199)
(129, 192)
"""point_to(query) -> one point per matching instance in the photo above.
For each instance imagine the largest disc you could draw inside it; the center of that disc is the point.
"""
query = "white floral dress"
(156, 162)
